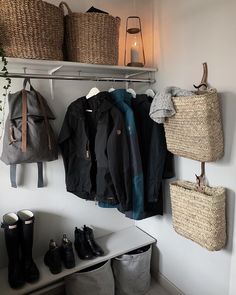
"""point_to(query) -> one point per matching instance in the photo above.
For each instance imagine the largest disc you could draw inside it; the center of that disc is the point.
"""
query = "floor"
(156, 289)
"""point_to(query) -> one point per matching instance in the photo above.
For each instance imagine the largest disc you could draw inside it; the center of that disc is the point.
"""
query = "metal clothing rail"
(77, 78)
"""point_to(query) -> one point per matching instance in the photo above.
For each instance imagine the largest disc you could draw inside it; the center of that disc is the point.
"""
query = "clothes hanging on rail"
(114, 153)
(95, 151)
(122, 100)
(157, 162)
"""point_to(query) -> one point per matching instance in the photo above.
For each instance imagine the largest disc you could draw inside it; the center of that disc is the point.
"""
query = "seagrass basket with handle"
(195, 131)
(31, 29)
(199, 215)
(91, 37)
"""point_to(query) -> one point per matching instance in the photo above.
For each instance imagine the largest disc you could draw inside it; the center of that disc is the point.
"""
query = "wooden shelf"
(114, 244)
(68, 67)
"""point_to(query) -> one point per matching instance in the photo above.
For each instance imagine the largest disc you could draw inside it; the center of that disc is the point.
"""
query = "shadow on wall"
(228, 106)
(230, 213)
(166, 189)
(49, 225)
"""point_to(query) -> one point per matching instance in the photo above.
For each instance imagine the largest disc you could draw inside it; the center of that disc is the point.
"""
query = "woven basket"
(92, 37)
(31, 29)
(199, 216)
(195, 131)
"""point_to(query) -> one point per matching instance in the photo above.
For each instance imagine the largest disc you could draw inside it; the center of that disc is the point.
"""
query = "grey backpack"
(28, 136)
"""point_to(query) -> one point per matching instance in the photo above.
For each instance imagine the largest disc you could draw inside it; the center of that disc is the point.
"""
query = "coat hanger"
(132, 92)
(93, 91)
(112, 87)
(150, 92)
(203, 85)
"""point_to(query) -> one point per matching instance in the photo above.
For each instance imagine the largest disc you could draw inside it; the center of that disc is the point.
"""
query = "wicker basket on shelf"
(92, 37)
(31, 29)
(195, 131)
(199, 216)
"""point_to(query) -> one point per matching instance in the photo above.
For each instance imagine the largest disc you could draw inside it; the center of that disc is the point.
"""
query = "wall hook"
(201, 178)
(203, 82)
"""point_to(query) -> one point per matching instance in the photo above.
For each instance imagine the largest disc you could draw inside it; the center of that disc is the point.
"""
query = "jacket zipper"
(87, 150)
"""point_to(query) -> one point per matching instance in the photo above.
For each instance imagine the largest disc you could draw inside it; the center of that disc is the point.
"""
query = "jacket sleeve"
(119, 160)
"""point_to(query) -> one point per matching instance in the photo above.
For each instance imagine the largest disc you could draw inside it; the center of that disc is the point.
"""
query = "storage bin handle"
(62, 4)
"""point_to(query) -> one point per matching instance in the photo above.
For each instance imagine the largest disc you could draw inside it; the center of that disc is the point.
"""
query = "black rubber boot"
(53, 258)
(67, 253)
(96, 249)
(81, 245)
(12, 239)
(26, 220)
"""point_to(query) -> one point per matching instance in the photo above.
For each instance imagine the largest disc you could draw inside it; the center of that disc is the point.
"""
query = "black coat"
(95, 151)
(156, 160)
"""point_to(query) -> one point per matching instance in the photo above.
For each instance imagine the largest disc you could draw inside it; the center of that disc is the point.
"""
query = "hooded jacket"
(95, 151)
(157, 161)
(122, 99)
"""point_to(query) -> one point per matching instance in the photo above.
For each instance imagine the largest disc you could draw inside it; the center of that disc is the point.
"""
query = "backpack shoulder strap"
(40, 174)
(24, 121)
(42, 106)
(13, 175)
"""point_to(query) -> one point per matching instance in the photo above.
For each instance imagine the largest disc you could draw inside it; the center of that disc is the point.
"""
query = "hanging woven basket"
(199, 216)
(195, 131)
(31, 29)
(92, 37)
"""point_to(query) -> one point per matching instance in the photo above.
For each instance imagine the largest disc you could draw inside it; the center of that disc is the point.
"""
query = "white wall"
(192, 32)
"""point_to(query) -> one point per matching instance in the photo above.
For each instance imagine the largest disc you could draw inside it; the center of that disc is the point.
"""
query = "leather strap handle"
(27, 80)
(45, 119)
(24, 122)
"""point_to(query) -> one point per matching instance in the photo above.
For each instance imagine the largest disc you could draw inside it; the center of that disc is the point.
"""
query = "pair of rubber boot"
(19, 230)
(85, 244)
(58, 254)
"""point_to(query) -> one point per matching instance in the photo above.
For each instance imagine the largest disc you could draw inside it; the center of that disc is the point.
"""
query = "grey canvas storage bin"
(96, 280)
(132, 272)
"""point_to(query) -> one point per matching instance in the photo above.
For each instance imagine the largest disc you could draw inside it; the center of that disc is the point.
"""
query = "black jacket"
(156, 160)
(95, 151)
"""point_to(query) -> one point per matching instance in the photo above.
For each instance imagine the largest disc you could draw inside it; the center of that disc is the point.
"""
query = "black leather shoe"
(67, 253)
(81, 245)
(96, 249)
(53, 258)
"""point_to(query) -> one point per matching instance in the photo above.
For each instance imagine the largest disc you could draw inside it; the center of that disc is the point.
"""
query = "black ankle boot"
(26, 220)
(12, 238)
(81, 245)
(53, 258)
(67, 253)
(96, 249)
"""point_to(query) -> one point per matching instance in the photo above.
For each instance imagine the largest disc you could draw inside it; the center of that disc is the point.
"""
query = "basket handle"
(62, 4)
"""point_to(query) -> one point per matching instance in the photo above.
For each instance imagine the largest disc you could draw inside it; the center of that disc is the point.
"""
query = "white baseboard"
(167, 285)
